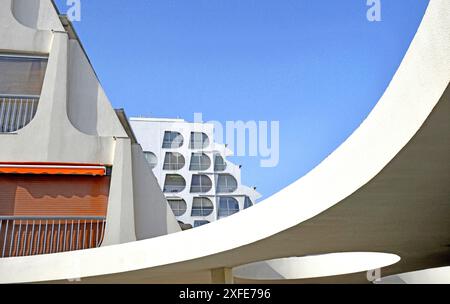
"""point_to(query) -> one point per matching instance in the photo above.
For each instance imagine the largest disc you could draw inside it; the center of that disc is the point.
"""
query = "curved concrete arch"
(402, 128)
(314, 266)
(439, 275)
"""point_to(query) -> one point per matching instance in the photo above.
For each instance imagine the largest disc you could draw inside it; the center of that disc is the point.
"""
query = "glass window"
(174, 183)
(178, 206)
(226, 183)
(22, 75)
(219, 163)
(199, 140)
(227, 206)
(200, 183)
(172, 140)
(247, 202)
(202, 206)
(151, 159)
(21, 79)
(200, 223)
(199, 162)
(173, 161)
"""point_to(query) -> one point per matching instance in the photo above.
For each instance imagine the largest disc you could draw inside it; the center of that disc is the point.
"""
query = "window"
(247, 202)
(22, 75)
(227, 206)
(199, 140)
(151, 159)
(174, 183)
(21, 79)
(200, 183)
(202, 206)
(200, 223)
(199, 162)
(172, 140)
(226, 183)
(173, 161)
(178, 206)
(219, 163)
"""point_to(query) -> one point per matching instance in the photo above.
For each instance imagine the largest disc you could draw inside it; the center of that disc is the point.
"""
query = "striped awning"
(52, 169)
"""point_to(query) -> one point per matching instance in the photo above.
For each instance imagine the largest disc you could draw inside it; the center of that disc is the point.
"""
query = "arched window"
(174, 183)
(202, 206)
(199, 162)
(172, 139)
(247, 202)
(200, 183)
(151, 159)
(200, 223)
(178, 206)
(219, 163)
(226, 183)
(199, 140)
(227, 206)
(173, 161)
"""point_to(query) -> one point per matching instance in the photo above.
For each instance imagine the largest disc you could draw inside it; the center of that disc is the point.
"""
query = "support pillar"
(222, 275)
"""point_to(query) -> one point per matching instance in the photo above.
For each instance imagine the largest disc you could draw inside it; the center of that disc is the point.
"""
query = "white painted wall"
(36, 14)
(18, 37)
(153, 216)
(120, 225)
(89, 109)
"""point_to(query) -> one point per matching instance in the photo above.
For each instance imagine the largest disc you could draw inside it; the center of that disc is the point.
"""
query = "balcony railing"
(16, 111)
(23, 236)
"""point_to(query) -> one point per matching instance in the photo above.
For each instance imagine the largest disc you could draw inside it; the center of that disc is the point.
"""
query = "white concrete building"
(200, 184)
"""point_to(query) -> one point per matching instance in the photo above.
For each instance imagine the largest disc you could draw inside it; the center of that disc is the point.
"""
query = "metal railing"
(16, 111)
(23, 236)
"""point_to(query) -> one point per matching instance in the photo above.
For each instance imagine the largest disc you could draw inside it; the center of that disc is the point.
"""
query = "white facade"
(185, 152)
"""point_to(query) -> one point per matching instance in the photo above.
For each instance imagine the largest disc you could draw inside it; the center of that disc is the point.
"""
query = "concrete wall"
(18, 37)
(120, 215)
(36, 14)
(89, 109)
(153, 216)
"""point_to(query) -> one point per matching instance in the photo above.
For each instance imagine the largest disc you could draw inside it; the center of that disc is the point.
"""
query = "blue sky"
(317, 66)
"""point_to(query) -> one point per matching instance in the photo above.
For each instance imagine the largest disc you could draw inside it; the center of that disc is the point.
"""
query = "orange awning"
(52, 169)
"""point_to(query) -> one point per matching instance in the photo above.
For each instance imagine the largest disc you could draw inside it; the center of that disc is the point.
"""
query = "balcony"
(25, 236)
(16, 111)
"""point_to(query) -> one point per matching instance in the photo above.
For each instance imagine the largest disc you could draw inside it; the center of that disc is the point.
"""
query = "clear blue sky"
(317, 66)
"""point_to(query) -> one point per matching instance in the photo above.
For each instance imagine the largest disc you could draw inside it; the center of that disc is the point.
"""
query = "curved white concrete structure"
(440, 275)
(385, 189)
(315, 266)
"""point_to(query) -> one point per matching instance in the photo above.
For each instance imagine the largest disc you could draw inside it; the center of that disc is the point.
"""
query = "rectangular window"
(21, 79)
(21, 75)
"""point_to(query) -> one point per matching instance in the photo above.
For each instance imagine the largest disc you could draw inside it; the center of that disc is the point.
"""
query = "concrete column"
(222, 275)
(120, 215)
